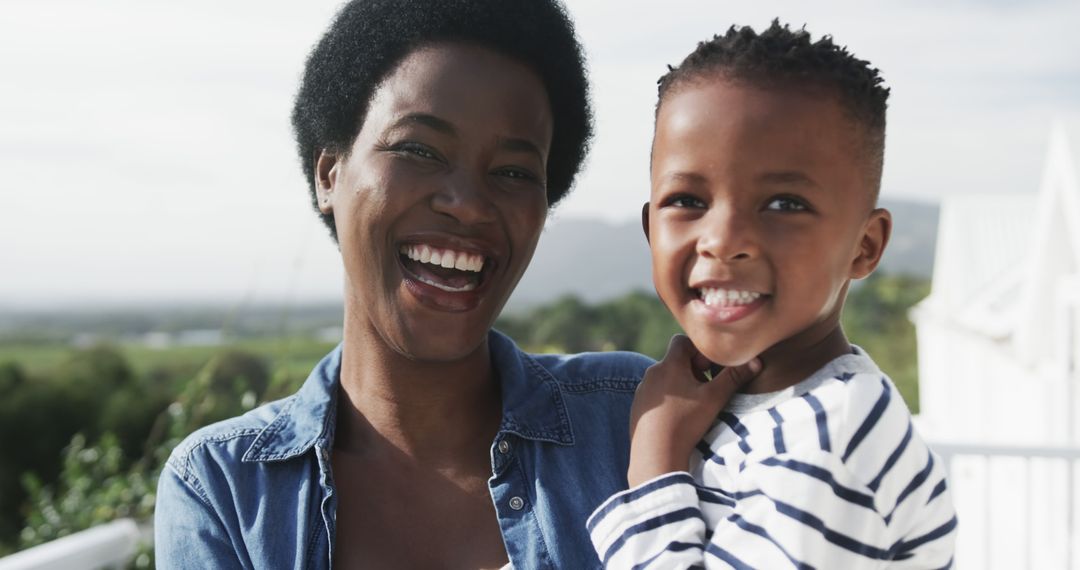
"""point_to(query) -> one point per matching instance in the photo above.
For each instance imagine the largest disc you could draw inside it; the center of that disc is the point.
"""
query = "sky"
(146, 154)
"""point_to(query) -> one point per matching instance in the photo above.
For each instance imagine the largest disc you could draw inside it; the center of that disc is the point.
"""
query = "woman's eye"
(517, 174)
(786, 205)
(416, 149)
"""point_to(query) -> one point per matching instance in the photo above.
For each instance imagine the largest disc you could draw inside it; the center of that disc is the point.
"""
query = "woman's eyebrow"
(427, 120)
(520, 145)
(443, 126)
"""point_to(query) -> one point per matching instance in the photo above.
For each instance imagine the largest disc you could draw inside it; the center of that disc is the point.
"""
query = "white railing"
(1017, 505)
(110, 545)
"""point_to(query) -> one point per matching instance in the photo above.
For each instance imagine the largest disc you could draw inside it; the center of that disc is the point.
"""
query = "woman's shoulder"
(617, 370)
(583, 372)
(228, 440)
(220, 483)
(276, 430)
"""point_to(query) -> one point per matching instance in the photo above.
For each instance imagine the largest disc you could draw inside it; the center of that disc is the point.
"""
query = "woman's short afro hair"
(368, 38)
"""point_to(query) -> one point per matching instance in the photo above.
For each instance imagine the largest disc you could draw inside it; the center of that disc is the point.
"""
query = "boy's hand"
(675, 405)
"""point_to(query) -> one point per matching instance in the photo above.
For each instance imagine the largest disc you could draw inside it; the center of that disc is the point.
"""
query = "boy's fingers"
(701, 364)
(730, 379)
(682, 352)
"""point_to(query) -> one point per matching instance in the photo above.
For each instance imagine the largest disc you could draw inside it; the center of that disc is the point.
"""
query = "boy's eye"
(684, 201)
(785, 204)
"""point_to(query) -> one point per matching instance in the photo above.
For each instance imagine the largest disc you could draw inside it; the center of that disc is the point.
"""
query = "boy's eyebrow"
(688, 177)
(794, 177)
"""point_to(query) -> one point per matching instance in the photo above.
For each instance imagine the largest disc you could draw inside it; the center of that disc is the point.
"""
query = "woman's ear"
(326, 170)
(645, 219)
(875, 236)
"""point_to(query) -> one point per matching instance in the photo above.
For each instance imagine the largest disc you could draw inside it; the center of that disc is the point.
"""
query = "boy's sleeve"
(885, 450)
(187, 531)
(795, 510)
(800, 510)
(658, 523)
(920, 510)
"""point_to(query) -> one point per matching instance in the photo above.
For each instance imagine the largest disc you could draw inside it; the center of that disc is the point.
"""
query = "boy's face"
(760, 214)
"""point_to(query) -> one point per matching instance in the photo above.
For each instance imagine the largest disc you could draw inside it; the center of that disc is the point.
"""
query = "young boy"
(766, 165)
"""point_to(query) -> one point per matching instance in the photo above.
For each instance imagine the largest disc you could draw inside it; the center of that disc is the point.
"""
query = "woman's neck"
(432, 411)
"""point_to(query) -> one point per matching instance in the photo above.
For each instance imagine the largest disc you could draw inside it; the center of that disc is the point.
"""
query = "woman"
(436, 136)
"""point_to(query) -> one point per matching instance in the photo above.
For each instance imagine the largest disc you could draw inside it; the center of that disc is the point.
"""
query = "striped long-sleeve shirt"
(827, 474)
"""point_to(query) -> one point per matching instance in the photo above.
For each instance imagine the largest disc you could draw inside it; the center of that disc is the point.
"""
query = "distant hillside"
(914, 238)
(591, 259)
(597, 260)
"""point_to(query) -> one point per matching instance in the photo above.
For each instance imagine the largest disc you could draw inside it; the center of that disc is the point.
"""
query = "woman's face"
(441, 198)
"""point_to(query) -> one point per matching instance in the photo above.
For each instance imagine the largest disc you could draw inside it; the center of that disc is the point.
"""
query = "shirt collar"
(533, 406)
(305, 419)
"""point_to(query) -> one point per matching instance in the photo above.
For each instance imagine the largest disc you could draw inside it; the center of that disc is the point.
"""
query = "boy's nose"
(464, 197)
(727, 236)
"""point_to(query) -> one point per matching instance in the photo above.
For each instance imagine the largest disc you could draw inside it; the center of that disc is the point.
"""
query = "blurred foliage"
(84, 433)
(637, 322)
(94, 487)
(102, 432)
(876, 319)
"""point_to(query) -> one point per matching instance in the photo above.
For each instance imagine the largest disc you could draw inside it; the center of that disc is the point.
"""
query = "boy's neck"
(797, 358)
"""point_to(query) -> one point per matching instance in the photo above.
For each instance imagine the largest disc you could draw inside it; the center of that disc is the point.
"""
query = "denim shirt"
(257, 491)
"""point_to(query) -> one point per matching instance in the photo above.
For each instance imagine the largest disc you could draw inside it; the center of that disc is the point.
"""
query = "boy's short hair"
(780, 56)
(368, 39)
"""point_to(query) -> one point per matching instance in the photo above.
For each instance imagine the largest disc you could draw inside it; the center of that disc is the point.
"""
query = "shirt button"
(504, 447)
(517, 503)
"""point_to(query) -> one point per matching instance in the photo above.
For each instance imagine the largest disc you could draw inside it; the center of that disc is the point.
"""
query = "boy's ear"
(645, 219)
(875, 237)
(326, 170)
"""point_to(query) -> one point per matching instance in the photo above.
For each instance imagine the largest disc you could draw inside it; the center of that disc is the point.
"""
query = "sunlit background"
(146, 154)
(160, 266)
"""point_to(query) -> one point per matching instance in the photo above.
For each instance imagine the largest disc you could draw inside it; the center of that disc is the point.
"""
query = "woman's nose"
(728, 235)
(465, 198)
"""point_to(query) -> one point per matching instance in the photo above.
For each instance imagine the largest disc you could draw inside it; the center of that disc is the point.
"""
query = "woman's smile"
(446, 272)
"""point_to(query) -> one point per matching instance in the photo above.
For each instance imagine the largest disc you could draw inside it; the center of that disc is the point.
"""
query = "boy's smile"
(761, 212)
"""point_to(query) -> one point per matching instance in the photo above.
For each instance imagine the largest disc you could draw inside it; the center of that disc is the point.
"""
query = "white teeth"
(727, 297)
(444, 258)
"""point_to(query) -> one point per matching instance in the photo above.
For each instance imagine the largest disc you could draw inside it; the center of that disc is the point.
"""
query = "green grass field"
(293, 356)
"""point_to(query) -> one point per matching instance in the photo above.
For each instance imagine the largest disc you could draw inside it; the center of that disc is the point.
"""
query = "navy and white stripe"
(834, 476)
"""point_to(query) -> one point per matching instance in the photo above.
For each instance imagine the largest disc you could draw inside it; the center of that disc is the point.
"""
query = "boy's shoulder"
(863, 422)
(858, 399)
